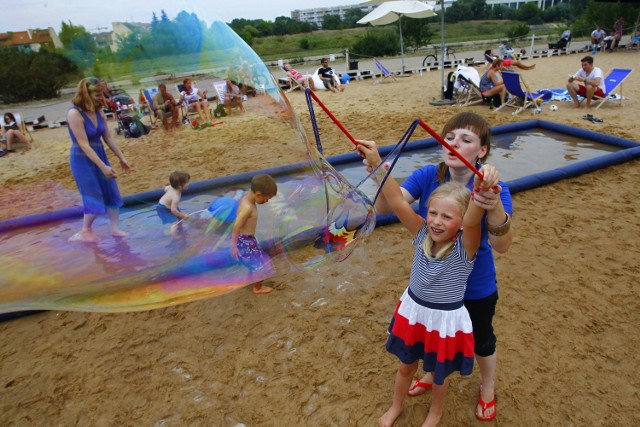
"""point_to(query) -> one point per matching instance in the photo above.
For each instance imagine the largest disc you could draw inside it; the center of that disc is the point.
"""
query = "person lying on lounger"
(507, 63)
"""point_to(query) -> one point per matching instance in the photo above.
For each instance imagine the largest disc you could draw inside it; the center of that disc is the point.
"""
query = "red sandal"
(486, 406)
(418, 383)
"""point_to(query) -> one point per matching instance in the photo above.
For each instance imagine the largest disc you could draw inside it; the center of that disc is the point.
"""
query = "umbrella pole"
(442, 86)
(401, 44)
(442, 100)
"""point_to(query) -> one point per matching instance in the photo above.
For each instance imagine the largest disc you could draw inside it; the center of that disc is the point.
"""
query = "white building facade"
(315, 15)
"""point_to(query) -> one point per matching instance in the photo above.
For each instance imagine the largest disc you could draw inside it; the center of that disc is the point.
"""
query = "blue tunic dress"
(98, 192)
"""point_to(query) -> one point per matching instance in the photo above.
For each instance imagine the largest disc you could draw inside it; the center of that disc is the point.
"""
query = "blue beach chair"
(521, 97)
(612, 81)
(149, 94)
(384, 71)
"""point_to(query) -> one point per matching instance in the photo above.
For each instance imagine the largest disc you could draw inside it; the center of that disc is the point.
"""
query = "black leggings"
(481, 312)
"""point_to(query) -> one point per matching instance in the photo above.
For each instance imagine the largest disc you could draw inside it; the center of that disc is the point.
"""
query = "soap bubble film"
(316, 216)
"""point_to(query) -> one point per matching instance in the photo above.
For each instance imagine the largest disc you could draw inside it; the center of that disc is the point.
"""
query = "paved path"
(56, 110)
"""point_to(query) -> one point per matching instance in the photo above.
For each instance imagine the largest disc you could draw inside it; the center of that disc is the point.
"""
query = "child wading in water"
(430, 321)
(244, 246)
(167, 207)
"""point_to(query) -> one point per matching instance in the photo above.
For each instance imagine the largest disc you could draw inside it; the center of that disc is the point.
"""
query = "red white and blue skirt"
(439, 334)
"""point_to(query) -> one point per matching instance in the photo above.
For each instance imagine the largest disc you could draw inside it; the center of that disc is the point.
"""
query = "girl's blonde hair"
(460, 195)
(86, 87)
(473, 122)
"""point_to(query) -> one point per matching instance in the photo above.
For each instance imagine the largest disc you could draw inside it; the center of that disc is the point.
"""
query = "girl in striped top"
(430, 322)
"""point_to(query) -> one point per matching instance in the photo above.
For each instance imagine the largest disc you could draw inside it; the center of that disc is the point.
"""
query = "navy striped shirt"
(439, 280)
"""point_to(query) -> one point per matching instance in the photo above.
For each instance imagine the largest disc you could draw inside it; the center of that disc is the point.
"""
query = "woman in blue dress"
(94, 175)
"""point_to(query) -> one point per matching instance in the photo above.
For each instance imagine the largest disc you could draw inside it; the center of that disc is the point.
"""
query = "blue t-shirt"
(482, 281)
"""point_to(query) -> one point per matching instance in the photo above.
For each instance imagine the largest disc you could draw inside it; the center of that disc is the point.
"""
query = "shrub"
(26, 76)
(378, 44)
(516, 31)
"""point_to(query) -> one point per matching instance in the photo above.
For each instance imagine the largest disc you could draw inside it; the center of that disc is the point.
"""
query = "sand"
(312, 353)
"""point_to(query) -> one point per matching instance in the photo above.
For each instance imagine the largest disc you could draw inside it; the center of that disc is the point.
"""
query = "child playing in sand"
(431, 322)
(167, 206)
(244, 246)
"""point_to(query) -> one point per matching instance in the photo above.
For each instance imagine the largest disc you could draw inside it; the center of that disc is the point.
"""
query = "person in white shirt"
(597, 36)
(592, 82)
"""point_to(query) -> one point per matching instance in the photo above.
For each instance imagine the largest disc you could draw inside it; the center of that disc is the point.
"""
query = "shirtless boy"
(167, 207)
(244, 246)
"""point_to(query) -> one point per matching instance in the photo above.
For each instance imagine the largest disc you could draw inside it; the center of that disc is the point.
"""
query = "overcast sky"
(18, 15)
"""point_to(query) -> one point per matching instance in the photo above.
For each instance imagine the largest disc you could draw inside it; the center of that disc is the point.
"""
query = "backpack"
(220, 111)
(137, 128)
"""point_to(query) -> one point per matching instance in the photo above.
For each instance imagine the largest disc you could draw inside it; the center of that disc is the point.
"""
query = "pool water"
(515, 155)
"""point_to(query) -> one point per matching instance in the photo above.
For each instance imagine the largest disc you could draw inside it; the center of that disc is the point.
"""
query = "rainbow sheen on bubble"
(317, 215)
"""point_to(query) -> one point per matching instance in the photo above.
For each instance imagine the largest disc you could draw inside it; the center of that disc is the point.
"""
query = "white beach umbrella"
(391, 11)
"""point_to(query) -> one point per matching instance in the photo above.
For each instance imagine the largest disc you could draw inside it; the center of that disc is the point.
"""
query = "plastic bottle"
(491, 106)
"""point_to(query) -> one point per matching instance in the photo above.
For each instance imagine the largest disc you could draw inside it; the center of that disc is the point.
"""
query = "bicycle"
(432, 58)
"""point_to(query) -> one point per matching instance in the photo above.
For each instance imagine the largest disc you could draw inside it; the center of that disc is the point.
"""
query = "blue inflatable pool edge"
(630, 150)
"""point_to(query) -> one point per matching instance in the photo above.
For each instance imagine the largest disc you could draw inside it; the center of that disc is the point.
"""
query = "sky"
(20, 15)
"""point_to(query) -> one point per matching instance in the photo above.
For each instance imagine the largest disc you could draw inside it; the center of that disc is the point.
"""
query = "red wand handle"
(332, 117)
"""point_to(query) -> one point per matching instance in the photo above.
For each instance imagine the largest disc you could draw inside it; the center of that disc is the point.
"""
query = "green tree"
(530, 12)
(280, 26)
(79, 45)
(331, 22)
(265, 27)
(502, 12)
(188, 32)
(377, 43)
(561, 12)
(41, 74)
(465, 10)
(351, 16)
(416, 32)
(517, 31)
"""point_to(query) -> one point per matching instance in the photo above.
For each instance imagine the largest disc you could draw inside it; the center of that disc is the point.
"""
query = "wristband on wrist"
(499, 230)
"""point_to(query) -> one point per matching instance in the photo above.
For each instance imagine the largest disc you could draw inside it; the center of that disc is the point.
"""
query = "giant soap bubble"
(316, 216)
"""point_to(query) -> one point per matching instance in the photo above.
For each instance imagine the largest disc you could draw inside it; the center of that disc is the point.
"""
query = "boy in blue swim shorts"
(244, 246)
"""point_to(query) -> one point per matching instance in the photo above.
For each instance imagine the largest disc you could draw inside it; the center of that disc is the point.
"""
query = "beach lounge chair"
(186, 109)
(220, 86)
(612, 81)
(467, 81)
(384, 71)
(148, 95)
(20, 124)
(521, 96)
(292, 83)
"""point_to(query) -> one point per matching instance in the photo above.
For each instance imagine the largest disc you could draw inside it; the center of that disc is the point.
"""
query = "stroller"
(563, 42)
(506, 51)
(129, 124)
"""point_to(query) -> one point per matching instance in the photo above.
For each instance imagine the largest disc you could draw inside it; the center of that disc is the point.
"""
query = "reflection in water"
(117, 258)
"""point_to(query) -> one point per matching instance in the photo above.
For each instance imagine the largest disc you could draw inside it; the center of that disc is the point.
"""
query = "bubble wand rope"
(388, 167)
(331, 116)
(450, 148)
